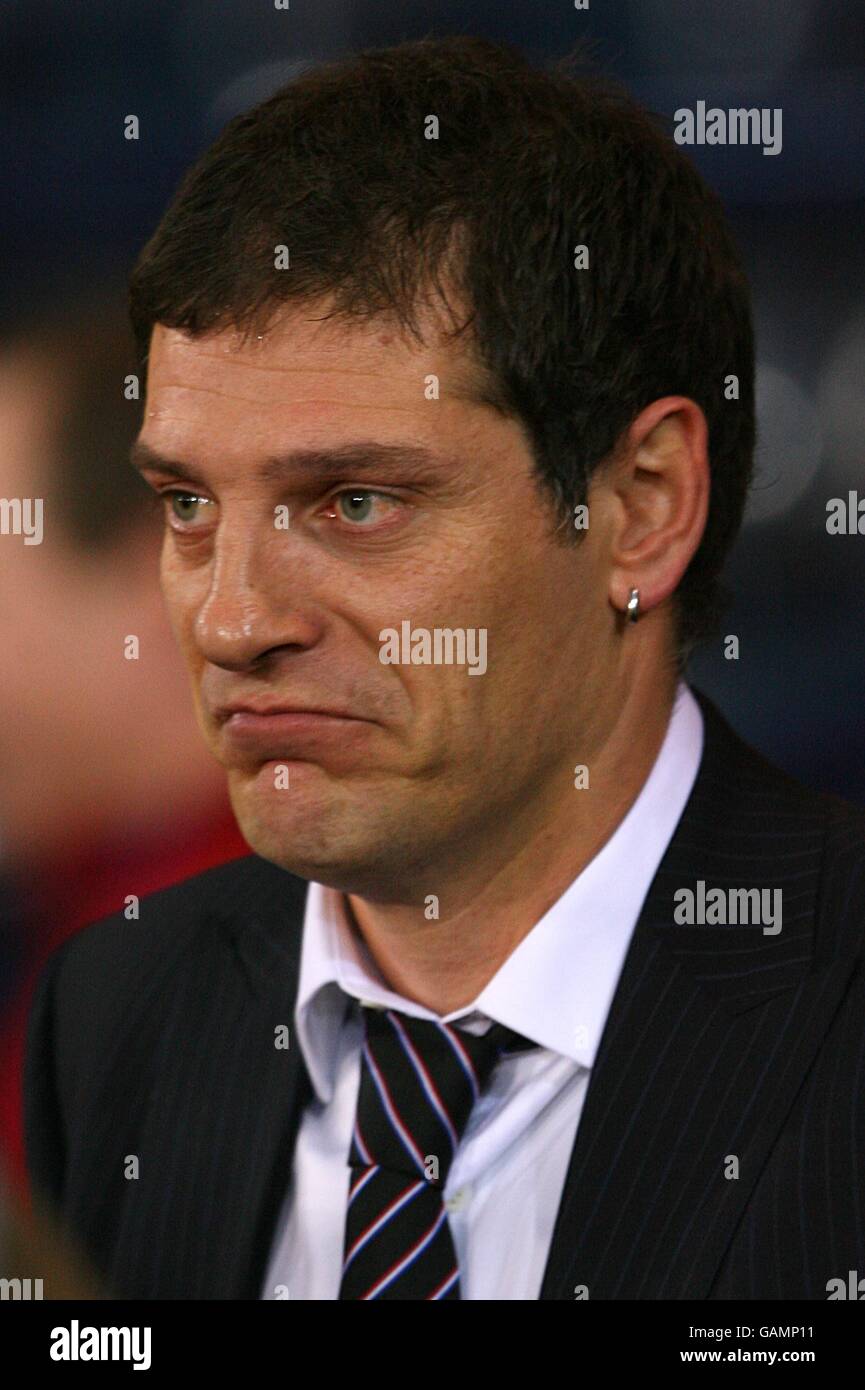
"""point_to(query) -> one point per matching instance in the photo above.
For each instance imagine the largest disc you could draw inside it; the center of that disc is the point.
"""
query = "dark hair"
(528, 164)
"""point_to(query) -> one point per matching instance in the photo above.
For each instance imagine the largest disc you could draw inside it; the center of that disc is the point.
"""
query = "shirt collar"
(556, 987)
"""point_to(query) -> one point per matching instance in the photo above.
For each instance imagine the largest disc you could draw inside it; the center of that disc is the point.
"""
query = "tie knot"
(419, 1081)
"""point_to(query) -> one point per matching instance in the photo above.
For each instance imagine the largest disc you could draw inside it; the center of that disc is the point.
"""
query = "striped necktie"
(419, 1081)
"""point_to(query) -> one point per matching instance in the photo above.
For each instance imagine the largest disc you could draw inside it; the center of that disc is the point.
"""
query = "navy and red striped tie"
(419, 1081)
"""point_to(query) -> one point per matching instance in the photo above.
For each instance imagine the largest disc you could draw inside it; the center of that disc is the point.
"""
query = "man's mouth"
(287, 733)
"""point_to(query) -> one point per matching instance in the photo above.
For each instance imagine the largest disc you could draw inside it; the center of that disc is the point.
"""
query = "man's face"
(445, 530)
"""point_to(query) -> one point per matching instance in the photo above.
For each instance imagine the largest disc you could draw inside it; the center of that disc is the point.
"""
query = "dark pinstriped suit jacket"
(155, 1038)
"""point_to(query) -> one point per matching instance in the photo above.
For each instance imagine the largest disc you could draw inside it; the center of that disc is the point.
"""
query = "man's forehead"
(233, 395)
(298, 346)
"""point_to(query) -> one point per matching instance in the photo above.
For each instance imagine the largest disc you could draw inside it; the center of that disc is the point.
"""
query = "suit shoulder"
(829, 831)
(768, 790)
(119, 968)
(772, 824)
(170, 918)
(842, 888)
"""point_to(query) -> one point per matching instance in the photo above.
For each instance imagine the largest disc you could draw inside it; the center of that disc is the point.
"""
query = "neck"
(493, 902)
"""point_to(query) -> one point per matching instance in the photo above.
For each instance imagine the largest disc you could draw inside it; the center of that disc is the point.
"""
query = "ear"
(658, 486)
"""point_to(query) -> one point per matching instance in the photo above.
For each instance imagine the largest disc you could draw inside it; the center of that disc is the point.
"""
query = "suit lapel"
(710, 1035)
(221, 1168)
(268, 949)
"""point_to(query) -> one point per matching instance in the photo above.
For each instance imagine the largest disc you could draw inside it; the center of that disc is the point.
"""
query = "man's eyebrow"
(144, 459)
(365, 455)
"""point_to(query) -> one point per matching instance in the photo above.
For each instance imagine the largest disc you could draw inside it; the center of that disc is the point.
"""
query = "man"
(539, 983)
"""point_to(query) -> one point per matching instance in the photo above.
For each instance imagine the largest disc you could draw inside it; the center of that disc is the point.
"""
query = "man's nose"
(255, 602)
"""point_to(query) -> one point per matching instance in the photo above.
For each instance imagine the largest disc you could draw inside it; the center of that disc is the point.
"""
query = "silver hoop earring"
(633, 608)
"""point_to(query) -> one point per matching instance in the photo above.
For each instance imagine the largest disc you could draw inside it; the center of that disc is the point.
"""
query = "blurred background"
(105, 787)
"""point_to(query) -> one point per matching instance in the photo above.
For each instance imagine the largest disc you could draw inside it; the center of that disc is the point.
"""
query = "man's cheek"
(180, 610)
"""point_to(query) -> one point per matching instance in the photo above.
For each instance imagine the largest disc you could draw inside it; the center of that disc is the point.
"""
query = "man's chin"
(307, 825)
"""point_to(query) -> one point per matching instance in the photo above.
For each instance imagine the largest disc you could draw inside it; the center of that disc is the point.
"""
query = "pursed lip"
(225, 712)
(253, 733)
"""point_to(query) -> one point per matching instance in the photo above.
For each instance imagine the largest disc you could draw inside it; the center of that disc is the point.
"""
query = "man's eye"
(357, 505)
(182, 505)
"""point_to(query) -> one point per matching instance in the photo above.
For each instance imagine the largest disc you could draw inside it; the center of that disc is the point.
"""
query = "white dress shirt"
(505, 1181)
